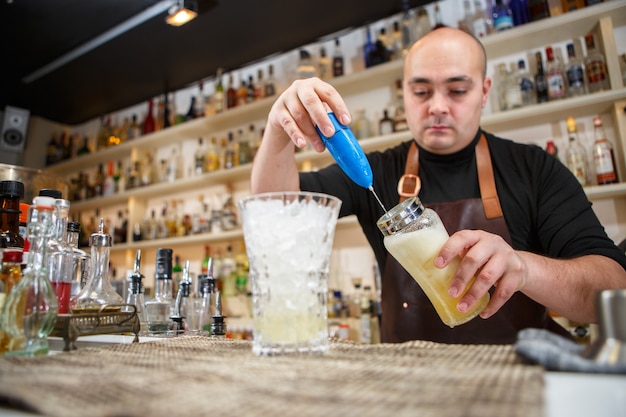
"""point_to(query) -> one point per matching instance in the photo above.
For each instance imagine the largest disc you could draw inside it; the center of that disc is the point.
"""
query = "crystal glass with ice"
(289, 238)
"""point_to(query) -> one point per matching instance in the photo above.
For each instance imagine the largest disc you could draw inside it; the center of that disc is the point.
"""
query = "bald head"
(446, 39)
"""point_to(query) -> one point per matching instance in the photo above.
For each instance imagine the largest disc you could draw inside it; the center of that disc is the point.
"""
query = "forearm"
(274, 167)
(568, 287)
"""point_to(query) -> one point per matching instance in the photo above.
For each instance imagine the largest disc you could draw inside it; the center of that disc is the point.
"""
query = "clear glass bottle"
(526, 84)
(136, 293)
(595, 67)
(81, 260)
(575, 155)
(482, 24)
(362, 125)
(324, 65)
(575, 73)
(407, 26)
(159, 309)
(603, 156)
(305, 69)
(200, 157)
(509, 89)
(413, 235)
(98, 294)
(31, 308)
(218, 98)
(555, 77)
(422, 23)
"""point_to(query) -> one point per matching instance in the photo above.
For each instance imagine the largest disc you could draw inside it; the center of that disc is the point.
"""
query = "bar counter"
(194, 375)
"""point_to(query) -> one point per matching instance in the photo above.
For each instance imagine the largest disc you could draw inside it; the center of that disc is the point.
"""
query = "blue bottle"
(519, 10)
(502, 16)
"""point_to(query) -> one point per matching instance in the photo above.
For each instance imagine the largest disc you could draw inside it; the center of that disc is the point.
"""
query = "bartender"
(519, 220)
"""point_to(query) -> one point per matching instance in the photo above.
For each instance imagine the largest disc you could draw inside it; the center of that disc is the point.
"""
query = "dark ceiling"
(153, 57)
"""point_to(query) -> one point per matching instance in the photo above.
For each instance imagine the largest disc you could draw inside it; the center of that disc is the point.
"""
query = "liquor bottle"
(438, 18)
(270, 87)
(509, 89)
(385, 124)
(519, 11)
(305, 65)
(396, 41)
(84, 150)
(362, 125)
(159, 308)
(191, 112)
(422, 23)
(10, 274)
(575, 156)
(242, 91)
(159, 120)
(11, 192)
(136, 293)
(482, 24)
(200, 101)
(502, 16)
(98, 294)
(81, 260)
(259, 87)
(119, 177)
(407, 27)
(368, 48)
(204, 265)
(526, 84)
(227, 273)
(324, 65)
(135, 128)
(575, 73)
(595, 67)
(555, 77)
(242, 268)
(603, 156)
(399, 115)
(541, 83)
(218, 97)
(149, 122)
(212, 158)
(31, 309)
(60, 255)
(231, 92)
(538, 9)
(251, 90)
(552, 149)
(200, 157)
(167, 112)
(108, 185)
(465, 24)
(229, 152)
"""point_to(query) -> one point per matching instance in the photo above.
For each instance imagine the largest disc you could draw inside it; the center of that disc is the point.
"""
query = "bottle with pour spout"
(414, 236)
(98, 294)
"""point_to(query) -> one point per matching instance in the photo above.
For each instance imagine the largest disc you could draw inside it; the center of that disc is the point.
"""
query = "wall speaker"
(13, 135)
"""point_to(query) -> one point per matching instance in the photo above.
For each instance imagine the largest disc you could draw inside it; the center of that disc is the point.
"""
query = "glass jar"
(414, 236)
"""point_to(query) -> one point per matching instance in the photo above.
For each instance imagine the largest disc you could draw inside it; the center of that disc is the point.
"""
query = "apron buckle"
(408, 181)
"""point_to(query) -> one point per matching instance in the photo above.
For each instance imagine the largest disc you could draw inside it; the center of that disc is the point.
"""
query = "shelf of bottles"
(601, 19)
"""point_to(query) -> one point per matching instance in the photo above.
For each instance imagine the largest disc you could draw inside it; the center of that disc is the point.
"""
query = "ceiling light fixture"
(182, 12)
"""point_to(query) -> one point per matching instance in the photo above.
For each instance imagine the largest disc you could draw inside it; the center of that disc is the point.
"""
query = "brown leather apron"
(407, 314)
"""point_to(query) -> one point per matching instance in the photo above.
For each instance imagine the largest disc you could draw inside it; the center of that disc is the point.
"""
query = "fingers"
(486, 261)
(306, 104)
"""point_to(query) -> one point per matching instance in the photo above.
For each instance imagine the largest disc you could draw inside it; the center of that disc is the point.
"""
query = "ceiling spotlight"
(182, 12)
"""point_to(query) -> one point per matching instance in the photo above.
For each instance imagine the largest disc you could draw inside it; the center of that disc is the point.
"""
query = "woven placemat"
(193, 376)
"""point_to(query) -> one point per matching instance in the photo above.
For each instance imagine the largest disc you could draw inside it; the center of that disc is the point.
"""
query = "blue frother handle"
(349, 155)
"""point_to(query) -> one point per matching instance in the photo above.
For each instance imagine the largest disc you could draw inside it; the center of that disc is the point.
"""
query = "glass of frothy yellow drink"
(414, 236)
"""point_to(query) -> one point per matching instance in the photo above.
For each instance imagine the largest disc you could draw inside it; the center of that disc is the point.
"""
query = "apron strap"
(409, 184)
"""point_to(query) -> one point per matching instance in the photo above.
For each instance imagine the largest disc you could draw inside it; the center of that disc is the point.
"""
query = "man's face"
(444, 90)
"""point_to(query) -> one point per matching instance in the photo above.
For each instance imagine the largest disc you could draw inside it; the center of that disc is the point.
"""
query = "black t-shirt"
(544, 206)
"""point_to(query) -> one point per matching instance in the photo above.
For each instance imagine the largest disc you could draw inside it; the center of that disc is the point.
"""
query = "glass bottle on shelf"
(11, 192)
(595, 67)
(385, 124)
(541, 83)
(526, 84)
(555, 77)
(200, 157)
(575, 156)
(482, 24)
(270, 87)
(218, 97)
(603, 156)
(407, 26)
(81, 260)
(362, 125)
(98, 294)
(159, 308)
(422, 23)
(519, 11)
(575, 73)
(509, 90)
(502, 16)
(465, 24)
(324, 65)
(136, 292)
(149, 124)
(538, 9)
(31, 308)
(305, 65)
